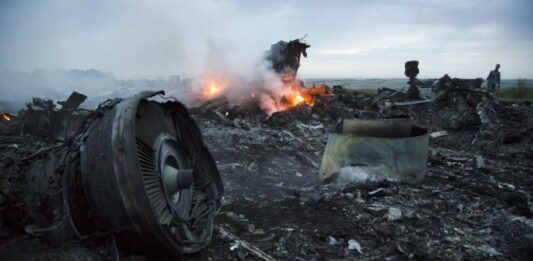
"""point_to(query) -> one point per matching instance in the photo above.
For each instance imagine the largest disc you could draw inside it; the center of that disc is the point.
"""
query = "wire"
(168, 98)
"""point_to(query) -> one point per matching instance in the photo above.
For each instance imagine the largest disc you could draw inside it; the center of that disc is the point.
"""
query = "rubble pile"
(474, 203)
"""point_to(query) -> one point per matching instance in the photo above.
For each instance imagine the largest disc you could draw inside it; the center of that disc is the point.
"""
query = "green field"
(519, 92)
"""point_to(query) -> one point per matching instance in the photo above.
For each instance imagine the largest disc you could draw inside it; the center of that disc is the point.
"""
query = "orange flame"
(301, 97)
(213, 90)
(306, 96)
(270, 100)
(6, 117)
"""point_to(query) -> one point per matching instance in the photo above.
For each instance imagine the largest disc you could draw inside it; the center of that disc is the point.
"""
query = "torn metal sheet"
(73, 101)
(390, 149)
(438, 134)
(435, 97)
(285, 56)
(65, 124)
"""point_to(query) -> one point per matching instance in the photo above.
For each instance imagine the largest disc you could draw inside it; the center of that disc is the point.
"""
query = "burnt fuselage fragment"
(285, 56)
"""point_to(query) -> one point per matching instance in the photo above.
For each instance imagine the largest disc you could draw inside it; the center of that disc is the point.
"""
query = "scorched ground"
(473, 204)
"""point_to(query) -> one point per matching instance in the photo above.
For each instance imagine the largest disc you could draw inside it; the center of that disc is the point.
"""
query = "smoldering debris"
(473, 203)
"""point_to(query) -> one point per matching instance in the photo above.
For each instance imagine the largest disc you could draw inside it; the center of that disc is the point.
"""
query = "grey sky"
(134, 39)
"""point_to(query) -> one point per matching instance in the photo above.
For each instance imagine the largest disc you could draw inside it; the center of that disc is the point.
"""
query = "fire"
(322, 90)
(306, 96)
(289, 92)
(214, 90)
(210, 90)
(299, 98)
(6, 117)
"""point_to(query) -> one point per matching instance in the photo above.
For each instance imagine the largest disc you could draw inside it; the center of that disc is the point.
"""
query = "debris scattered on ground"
(239, 242)
(438, 134)
(354, 245)
(465, 203)
(474, 203)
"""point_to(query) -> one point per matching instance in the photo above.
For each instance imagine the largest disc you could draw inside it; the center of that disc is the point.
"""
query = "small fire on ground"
(271, 100)
(213, 90)
(307, 95)
(6, 117)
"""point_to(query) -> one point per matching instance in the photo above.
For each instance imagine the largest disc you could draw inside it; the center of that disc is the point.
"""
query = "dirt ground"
(474, 203)
(471, 205)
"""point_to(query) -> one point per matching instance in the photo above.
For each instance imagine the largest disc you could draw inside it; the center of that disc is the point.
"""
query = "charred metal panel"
(285, 56)
(385, 149)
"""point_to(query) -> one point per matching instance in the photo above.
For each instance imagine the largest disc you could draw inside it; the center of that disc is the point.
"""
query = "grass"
(425, 95)
(366, 91)
(520, 91)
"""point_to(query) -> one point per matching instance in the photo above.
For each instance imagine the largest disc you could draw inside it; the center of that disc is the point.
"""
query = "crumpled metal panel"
(390, 149)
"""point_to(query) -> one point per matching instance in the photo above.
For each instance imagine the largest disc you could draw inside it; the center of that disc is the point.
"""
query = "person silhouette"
(493, 79)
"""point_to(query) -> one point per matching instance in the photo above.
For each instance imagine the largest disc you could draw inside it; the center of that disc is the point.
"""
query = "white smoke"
(138, 45)
(239, 80)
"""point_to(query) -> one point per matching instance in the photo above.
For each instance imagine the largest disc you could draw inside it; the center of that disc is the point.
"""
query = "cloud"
(136, 39)
(129, 38)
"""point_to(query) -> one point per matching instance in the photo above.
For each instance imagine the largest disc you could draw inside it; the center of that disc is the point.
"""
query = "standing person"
(494, 79)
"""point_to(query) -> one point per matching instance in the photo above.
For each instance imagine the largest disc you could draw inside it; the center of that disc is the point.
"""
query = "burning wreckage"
(401, 177)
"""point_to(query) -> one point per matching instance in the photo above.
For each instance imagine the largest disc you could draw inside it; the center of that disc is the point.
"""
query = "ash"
(474, 203)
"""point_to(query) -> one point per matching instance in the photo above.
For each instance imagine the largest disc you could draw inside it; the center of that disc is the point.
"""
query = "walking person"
(493, 79)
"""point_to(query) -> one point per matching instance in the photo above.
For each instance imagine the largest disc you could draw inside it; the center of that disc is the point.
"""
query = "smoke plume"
(120, 47)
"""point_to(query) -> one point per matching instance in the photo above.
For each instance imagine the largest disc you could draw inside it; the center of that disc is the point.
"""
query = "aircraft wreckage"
(135, 169)
(401, 177)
